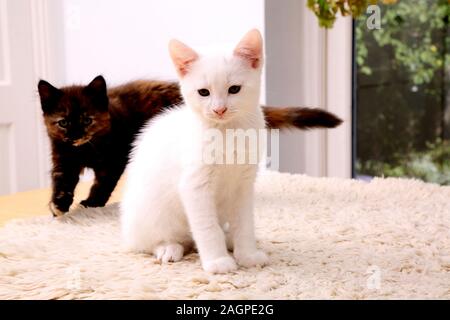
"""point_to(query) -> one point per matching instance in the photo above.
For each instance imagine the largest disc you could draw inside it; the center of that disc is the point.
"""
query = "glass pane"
(402, 92)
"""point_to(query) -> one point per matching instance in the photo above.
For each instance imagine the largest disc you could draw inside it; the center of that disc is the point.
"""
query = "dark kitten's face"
(76, 114)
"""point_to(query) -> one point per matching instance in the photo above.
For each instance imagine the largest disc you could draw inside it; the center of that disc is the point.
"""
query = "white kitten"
(172, 197)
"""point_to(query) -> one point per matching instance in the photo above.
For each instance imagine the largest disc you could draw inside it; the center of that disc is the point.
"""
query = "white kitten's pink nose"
(220, 110)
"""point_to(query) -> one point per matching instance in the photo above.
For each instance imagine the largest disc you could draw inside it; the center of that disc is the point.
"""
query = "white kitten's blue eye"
(203, 92)
(234, 89)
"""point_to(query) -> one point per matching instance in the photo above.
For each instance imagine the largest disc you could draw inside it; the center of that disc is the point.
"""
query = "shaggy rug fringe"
(326, 237)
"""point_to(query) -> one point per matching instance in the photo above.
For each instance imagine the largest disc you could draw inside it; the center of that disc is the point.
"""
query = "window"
(401, 93)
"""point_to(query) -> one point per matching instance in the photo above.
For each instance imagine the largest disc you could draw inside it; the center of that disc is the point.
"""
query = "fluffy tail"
(299, 118)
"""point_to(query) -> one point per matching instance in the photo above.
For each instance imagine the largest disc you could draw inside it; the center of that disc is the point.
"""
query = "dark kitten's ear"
(97, 86)
(49, 95)
(96, 89)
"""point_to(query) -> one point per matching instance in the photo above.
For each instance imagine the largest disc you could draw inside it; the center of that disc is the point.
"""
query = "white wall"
(127, 39)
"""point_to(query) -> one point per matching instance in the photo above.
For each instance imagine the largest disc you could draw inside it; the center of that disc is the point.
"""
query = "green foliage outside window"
(403, 77)
(328, 10)
(420, 55)
(420, 17)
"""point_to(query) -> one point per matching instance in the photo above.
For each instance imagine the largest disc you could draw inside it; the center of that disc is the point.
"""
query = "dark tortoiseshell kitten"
(92, 127)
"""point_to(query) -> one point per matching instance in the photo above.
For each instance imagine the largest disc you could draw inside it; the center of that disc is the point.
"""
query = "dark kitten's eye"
(63, 123)
(87, 121)
(203, 92)
(234, 89)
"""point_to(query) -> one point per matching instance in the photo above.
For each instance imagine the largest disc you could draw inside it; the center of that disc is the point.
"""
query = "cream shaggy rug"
(327, 238)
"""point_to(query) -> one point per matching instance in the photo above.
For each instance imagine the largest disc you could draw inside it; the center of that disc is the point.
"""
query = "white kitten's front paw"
(220, 265)
(256, 258)
(169, 253)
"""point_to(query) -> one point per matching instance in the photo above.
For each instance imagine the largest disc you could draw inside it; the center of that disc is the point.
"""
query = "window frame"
(312, 67)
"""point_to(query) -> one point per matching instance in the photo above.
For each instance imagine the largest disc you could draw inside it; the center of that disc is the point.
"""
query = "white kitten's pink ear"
(250, 48)
(182, 56)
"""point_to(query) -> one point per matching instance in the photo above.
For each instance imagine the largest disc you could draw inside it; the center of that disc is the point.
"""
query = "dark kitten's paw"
(56, 212)
(89, 203)
(61, 202)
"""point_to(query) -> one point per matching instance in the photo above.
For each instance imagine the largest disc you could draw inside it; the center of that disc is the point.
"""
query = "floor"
(35, 202)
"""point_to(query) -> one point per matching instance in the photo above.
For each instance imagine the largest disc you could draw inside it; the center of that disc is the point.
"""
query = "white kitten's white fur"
(172, 199)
